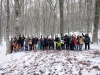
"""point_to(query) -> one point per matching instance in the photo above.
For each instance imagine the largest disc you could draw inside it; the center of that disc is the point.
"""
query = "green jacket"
(59, 43)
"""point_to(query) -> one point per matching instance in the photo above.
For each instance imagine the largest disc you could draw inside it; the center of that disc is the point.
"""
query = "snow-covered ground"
(51, 62)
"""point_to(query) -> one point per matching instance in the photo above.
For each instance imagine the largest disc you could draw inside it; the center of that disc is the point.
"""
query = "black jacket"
(86, 39)
(34, 41)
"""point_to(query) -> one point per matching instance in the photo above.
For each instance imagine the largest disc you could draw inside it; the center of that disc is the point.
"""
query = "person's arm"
(83, 35)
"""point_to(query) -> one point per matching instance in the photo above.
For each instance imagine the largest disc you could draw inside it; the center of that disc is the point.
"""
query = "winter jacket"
(66, 40)
(59, 43)
(81, 41)
(42, 42)
(45, 41)
(86, 39)
(75, 41)
(71, 40)
(22, 42)
(35, 40)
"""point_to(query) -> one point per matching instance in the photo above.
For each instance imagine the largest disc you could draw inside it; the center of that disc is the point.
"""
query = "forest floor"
(51, 62)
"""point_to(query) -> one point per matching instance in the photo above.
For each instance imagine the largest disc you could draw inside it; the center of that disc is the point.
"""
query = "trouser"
(51, 46)
(66, 46)
(46, 46)
(71, 46)
(42, 47)
(26, 48)
(22, 48)
(87, 44)
(59, 48)
(62, 46)
(39, 46)
(35, 46)
(30, 47)
(56, 46)
(76, 47)
(80, 47)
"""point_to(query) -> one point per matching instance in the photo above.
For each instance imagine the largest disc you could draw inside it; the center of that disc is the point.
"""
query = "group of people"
(73, 42)
(59, 43)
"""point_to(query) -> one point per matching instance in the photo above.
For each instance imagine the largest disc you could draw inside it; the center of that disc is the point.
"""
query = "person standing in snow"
(30, 44)
(58, 44)
(57, 39)
(71, 43)
(26, 44)
(23, 39)
(22, 43)
(86, 41)
(78, 37)
(81, 42)
(39, 44)
(75, 43)
(35, 43)
(51, 43)
(66, 42)
(15, 44)
(42, 43)
(62, 41)
(46, 42)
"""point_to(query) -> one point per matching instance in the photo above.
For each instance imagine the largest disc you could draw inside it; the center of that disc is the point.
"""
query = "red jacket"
(75, 41)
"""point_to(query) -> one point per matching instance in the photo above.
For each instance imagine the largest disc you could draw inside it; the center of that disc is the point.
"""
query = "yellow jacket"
(59, 43)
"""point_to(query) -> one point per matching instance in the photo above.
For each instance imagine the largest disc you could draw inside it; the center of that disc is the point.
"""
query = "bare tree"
(0, 20)
(53, 16)
(7, 30)
(61, 17)
(17, 18)
(96, 21)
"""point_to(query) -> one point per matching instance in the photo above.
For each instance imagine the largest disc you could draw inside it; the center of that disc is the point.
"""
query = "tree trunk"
(8, 51)
(22, 17)
(88, 15)
(0, 22)
(80, 14)
(17, 15)
(61, 17)
(96, 21)
(44, 21)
